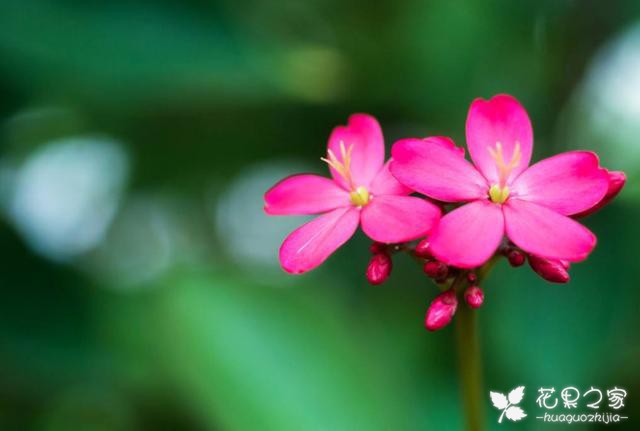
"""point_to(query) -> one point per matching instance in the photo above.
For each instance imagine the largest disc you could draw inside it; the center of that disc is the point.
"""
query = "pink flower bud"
(516, 257)
(422, 249)
(472, 278)
(441, 310)
(379, 268)
(617, 180)
(377, 247)
(551, 270)
(474, 296)
(436, 269)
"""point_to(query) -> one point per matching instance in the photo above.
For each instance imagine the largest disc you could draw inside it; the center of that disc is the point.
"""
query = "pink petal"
(617, 180)
(500, 119)
(392, 219)
(304, 194)
(437, 171)
(567, 183)
(367, 157)
(468, 236)
(546, 233)
(386, 184)
(312, 243)
(446, 142)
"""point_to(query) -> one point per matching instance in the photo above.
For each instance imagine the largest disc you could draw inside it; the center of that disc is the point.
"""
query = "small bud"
(516, 257)
(472, 278)
(474, 296)
(379, 268)
(422, 249)
(377, 247)
(617, 180)
(436, 269)
(441, 310)
(551, 270)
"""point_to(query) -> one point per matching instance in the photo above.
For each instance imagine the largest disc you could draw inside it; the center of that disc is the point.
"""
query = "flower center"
(360, 197)
(498, 194)
(505, 168)
(343, 167)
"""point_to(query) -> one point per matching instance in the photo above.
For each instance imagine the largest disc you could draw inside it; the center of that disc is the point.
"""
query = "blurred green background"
(140, 282)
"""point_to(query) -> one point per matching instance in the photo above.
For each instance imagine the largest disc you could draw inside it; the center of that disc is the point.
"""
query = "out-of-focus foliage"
(140, 283)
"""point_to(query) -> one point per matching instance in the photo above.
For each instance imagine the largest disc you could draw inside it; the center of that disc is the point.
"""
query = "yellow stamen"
(342, 167)
(498, 194)
(504, 169)
(360, 197)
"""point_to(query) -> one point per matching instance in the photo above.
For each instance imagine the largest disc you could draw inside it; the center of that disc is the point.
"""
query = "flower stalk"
(470, 368)
(469, 353)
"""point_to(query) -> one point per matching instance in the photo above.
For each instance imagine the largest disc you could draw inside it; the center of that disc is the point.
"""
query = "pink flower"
(531, 205)
(362, 191)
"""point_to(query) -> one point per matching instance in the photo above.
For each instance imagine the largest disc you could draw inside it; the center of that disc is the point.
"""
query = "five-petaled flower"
(361, 192)
(503, 195)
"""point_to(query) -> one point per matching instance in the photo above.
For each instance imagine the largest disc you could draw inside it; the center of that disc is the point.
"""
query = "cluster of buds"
(552, 270)
(444, 306)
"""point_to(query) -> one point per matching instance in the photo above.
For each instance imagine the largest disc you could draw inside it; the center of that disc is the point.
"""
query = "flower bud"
(422, 249)
(441, 310)
(551, 270)
(379, 268)
(516, 257)
(474, 296)
(617, 180)
(377, 247)
(436, 269)
(472, 278)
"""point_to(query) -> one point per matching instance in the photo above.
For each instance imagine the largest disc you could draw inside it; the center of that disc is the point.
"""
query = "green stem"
(468, 347)
(469, 363)
(469, 355)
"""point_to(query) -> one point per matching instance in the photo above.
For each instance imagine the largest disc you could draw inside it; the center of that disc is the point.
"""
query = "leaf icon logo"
(508, 404)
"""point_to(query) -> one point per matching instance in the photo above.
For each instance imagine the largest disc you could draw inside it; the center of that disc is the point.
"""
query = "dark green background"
(167, 120)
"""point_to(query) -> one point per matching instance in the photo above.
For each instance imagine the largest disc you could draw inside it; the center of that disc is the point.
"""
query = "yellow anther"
(360, 197)
(504, 169)
(498, 194)
(342, 167)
